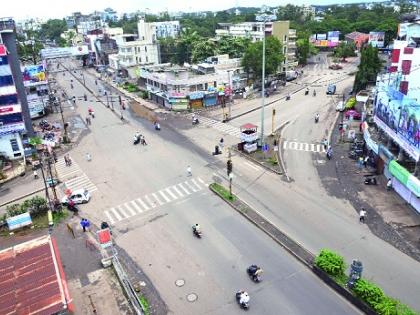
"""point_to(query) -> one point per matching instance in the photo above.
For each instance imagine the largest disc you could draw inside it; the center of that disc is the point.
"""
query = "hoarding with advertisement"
(377, 39)
(10, 109)
(321, 36)
(34, 75)
(334, 36)
(399, 117)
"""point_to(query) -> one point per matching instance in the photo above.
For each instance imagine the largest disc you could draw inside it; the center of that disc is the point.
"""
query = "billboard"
(399, 117)
(33, 75)
(321, 36)
(64, 52)
(377, 39)
(334, 36)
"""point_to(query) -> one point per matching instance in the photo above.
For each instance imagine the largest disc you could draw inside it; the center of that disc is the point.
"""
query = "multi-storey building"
(134, 51)
(255, 31)
(14, 111)
(36, 85)
(165, 29)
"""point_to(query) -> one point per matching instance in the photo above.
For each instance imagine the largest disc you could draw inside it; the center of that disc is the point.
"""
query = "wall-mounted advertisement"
(334, 36)
(399, 117)
(377, 39)
(34, 75)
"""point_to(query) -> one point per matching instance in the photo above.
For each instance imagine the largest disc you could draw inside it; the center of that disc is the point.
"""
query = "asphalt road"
(160, 239)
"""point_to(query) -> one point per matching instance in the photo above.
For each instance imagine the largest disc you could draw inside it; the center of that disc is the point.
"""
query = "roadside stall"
(249, 137)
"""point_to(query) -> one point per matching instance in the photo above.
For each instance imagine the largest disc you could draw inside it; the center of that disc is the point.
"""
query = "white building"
(405, 59)
(166, 29)
(308, 10)
(252, 30)
(133, 51)
(84, 27)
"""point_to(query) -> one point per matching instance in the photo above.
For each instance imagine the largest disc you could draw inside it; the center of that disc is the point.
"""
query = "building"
(165, 29)
(181, 88)
(15, 117)
(255, 31)
(308, 11)
(87, 26)
(396, 113)
(135, 51)
(109, 15)
(359, 39)
(33, 279)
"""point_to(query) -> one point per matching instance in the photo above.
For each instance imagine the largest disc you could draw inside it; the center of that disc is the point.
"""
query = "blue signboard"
(18, 221)
(265, 147)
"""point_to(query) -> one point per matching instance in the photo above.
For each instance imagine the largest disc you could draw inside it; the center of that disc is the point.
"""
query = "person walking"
(85, 224)
(189, 173)
(362, 215)
(221, 143)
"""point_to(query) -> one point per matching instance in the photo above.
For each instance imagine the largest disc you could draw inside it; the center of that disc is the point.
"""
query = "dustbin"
(241, 146)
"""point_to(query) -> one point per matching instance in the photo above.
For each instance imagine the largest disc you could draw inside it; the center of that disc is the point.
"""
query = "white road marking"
(121, 210)
(202, 181)
(135, 205)
(252, 166)
(157, 199)
(189, 186)
(171, 193)
(151, 203)
(164, 196)
(116, 214)
(130, 209)
(143, 204)
(110, 219)
(196, 184)
(184, 189)
(177, 191)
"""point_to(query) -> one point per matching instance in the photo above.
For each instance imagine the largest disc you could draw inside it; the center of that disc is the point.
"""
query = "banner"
(334, 36)
(377, 39)
(321, 36)
(33, 75)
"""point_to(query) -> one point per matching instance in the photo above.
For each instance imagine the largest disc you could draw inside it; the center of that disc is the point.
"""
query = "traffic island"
(290, 245)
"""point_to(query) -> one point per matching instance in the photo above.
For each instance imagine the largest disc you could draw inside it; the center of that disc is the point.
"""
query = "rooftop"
(31, 279)
(7, 24)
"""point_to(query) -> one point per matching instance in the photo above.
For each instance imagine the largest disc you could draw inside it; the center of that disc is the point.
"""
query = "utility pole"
(230, 95)
(66, 136)
(272, 121)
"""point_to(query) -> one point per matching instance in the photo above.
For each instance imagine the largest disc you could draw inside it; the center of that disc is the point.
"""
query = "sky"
(22, 9)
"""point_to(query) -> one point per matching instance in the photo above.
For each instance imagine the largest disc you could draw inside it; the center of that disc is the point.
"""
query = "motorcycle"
(195, 121)
(196, 232)
(355, 154)
(157, 126)
(288, 98)
(307, 92)
(91, 112)
(245, 304)
(316, 119)
(329, 154)
(251, 273)
(136, 140)
(370, 181)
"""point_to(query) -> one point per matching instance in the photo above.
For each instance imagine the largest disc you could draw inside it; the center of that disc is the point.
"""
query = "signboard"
(104, 238)
(377, 39)
(3, 51)
(370, 143)
(9, 109)
(19, 221)
(399, 117)
(414, 185)
(64, 52)
(196, 95)
(399, 172)
(12, 128)
(34, 74)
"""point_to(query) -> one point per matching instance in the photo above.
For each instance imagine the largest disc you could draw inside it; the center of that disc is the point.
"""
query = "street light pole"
(263, 18)
(230, 94)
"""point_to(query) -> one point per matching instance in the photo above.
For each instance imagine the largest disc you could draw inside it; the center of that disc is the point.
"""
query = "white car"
(78, 196)
(340, 106)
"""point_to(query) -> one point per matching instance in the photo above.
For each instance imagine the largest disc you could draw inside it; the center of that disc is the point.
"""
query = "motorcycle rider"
(196, 229)
(244, 297)
(136, 138)
(316, 117)
(314, 93)
(255, 271)
(194, 119)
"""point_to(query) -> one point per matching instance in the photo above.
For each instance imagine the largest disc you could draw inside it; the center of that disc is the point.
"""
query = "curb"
(257, 162)
(308, 262)
(21, 197)
(280, 156)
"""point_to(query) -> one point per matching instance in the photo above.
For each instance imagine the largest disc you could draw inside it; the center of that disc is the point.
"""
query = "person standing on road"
(362, 215)
(189, 173)
(389, 184)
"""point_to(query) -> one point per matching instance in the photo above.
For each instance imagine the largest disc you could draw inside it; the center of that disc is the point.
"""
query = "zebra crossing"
(223, 127)
(73, 177)
(300, 146)
(153, 200)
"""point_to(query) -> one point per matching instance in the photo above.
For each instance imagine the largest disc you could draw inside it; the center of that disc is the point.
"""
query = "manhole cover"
(192, 297)
(179, 282)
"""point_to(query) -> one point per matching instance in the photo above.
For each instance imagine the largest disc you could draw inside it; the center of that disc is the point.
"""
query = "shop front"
(196, 99)
(177, 101)
(405, 184)
(158, 98)
(210, 99)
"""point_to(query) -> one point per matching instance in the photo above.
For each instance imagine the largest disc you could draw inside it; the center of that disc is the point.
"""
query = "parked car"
(78, 196)
(340, 106)
(335, 66)
(356, 115)
(331, 89)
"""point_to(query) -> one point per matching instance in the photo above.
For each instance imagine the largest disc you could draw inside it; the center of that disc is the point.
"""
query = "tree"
(203, 49)
(290, 12)
(234, 47)
(368, 69)
(252, 59)
(53, 29)
(345, 50)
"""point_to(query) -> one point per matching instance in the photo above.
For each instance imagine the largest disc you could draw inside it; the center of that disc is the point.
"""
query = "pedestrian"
(189, 173)
(365, 162)
(142, 140)
(360, 162)
(88, 157)
(85, 224)
(325, 142)
(66, 160)
(389, 184)
(362, 215)
(221, 143)
(88, 121)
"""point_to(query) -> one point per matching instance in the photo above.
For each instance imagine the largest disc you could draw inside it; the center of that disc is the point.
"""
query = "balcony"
(7, 24)
(292, 33)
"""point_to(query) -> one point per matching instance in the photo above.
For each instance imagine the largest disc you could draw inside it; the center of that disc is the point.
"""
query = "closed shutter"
(404, 87)
(395, 55)
(406, 66)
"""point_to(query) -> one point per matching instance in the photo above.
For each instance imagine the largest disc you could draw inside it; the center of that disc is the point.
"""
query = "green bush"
(369, 292)
(331, 263)
(14, 209)
(35, 206)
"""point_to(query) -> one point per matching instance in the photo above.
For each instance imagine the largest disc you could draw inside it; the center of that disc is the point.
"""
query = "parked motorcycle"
(355, 154)
(195, 121)
(371, 181)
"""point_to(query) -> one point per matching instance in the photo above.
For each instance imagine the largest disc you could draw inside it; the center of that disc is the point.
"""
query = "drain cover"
(192, 297)
(179, 282)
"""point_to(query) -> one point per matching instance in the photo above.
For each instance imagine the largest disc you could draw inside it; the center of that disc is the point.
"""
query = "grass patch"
(145, 304)
(272, 161)
(223, 192)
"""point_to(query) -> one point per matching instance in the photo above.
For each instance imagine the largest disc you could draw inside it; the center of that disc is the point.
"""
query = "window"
(145, 48)
(4, 60)
(6, 80)
(404, 87)
(214, 83)
(395, 55)
(285, 38)
(408, 50)
(8, 99)
(14, 144)
(406, 66)
(11, 119)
